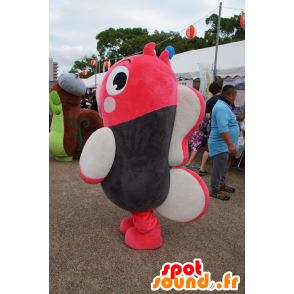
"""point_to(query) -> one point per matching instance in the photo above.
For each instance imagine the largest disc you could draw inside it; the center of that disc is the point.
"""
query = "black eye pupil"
(120, 80)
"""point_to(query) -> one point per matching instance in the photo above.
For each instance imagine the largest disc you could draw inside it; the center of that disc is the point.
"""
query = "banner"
(239, 84)
(187, 83)
(206, 78)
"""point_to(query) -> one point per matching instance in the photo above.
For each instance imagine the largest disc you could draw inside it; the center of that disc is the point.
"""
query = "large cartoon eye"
(117, 80)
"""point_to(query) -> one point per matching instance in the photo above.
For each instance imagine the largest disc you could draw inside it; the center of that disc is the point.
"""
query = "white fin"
(188, 197)
(98, 154)
(187, 115)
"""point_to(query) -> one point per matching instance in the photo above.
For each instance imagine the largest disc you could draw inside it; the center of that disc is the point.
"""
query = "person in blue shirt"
(223, 141)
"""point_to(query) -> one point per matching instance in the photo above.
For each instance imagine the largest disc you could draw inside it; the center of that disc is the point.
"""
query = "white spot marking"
(109, 104)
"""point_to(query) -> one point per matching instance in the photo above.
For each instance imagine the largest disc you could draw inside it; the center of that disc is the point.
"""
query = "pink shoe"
(126, 223)
(142, 241)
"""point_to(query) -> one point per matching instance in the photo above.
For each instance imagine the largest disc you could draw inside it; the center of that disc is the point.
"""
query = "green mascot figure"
(71, 127)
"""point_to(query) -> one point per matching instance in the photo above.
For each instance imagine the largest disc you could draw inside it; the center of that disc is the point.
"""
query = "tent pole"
(217, 37)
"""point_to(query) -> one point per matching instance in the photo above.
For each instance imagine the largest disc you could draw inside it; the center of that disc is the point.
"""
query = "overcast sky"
(74, 24)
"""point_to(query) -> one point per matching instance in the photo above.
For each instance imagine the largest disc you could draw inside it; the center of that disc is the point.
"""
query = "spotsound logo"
(190, 276)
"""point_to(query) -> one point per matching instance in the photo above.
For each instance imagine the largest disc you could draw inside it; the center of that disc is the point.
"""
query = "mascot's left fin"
(97, 156)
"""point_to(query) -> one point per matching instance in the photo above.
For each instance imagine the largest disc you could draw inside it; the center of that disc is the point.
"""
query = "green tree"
(230, 29)
(125, 42)
(84, 64)
(115, 44)
(121, 42)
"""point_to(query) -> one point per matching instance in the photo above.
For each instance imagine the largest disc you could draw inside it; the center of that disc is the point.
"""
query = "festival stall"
(230, 61)
(197, 65)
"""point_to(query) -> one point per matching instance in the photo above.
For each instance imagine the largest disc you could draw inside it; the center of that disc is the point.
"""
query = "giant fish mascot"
(71, 127)
(137, 157)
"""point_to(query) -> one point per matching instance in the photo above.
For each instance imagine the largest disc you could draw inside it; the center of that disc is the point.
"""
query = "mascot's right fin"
(187, 199)
(189, 114)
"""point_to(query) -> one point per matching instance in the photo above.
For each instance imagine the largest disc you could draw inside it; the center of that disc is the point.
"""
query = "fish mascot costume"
(137, 156)
(70, 127)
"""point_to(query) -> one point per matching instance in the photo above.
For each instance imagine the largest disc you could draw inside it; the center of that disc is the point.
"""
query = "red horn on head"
(164, 56)
(149, 49)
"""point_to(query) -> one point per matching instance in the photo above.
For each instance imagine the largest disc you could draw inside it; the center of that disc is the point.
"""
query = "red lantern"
(108, 64)
(93, 62)
(191, 32)
(85, 72)
(242, 21)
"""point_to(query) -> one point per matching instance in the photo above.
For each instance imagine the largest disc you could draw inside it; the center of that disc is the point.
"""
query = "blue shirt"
(222, 120)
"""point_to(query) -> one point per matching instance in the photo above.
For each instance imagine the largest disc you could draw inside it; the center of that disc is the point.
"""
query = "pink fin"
(164, 56)
(149, 49)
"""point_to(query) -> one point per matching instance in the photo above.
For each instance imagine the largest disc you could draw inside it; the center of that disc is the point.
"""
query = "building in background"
(53, 70)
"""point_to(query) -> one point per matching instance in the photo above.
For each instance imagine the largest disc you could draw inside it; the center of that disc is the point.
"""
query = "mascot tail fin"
(88, 121)
(188, 206)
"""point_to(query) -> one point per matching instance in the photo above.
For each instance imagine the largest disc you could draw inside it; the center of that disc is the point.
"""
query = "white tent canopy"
(230, 62)
(90, 82)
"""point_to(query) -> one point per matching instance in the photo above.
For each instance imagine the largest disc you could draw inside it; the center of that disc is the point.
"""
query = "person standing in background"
(84, 101)
(90, 99)
(223, 141)
(195, 142)
(94, 103)
(215, 90)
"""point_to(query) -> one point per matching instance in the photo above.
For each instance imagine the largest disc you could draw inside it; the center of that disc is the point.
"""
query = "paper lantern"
(242, 21)
(108, 64)
(191, 32)
(85, 72)
(93, 62)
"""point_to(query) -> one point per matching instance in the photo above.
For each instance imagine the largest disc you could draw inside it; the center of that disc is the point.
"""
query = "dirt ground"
(87, 249)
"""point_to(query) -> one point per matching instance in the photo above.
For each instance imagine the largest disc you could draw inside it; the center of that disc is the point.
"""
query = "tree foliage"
(230, 29)
(115, 44)
(126, 42)
(84, 63)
